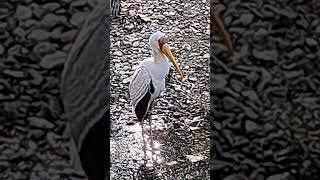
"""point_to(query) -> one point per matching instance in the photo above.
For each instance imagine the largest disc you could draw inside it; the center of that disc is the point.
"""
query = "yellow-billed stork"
(148, 81)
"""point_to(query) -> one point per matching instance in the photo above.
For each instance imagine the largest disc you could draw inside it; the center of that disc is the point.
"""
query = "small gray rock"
(28, 23)
(37, 77)
(311, 42)
(219, 81)
(14, 73)
(23, 12)
(51, 20)
(252, 95)
(77, 19)
(40, 123)
(250, 126)
(53, 60)
(4, 97)
(44, 48)
(39, 35)
(294, 74)
(296, 53)
(266, 55)
(5, 10)
(51, 6)
(38, 11)
(278, 177)
(246, 19)
(117, 53)
(250, 113)
(19, 32)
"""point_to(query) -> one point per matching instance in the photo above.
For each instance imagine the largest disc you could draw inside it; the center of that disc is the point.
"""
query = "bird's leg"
(151, 137)
(144, 142)
(151, 107)
(149, 117)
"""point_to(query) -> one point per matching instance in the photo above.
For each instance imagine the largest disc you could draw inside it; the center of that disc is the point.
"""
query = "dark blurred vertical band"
(85, 93)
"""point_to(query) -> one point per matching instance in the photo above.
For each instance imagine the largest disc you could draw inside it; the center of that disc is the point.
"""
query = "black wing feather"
(142, 106)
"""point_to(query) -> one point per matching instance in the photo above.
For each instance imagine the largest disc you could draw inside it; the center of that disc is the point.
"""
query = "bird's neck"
(159, 57)
(160, 66)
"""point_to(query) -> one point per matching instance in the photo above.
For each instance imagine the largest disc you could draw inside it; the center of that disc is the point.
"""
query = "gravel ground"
(180, 116)
(36, 38)
(266, 116)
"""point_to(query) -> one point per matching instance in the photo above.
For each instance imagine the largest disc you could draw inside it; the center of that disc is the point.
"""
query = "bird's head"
(159, 42)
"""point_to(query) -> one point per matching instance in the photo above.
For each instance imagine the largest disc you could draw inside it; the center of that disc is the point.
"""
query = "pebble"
(37, 77)
(118, 53)
(40, 123)
(246, 19)
(129, 27)
(51, 6)
(51, 20)
(19, 32)
(14, 73)
(44, 48)
(206, 56)
(77, 19)
(39, 35)
(277, 177)
(194, 79)
(23, 12)
(127, 80)
(252, 95)
(250, 126)
(187, 47)
(311, 42)
(266, 55)
(38, 11)
(53, 60)
(135, 44)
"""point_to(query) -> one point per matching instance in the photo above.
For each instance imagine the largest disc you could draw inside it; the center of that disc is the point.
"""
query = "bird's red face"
(164, 47)
(163, 40)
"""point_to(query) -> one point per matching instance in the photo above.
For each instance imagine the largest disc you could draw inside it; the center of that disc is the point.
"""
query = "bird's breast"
(158, 88)
(158, 70)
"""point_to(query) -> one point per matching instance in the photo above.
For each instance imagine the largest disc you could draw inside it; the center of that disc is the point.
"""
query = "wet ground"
(180, 124)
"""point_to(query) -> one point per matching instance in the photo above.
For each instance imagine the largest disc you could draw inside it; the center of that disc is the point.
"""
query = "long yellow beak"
(166, 50)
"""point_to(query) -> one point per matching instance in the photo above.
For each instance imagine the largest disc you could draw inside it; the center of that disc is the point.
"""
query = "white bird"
(148, 81)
